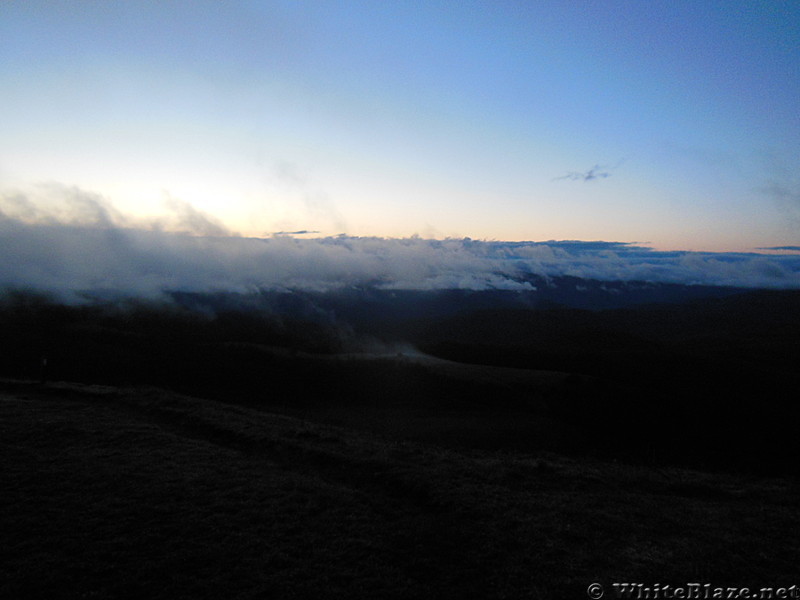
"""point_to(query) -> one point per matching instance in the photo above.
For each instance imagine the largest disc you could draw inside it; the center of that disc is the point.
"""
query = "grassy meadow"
(178, 456)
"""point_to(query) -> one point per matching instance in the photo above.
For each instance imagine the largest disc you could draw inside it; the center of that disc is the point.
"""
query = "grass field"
(138, 492)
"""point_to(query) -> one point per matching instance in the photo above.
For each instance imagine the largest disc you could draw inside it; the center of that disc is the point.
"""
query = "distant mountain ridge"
(368, 306)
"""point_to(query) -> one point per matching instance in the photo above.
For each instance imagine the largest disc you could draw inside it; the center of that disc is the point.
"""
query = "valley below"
(165, 452)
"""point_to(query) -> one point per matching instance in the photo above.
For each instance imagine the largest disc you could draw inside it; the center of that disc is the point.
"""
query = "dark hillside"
(709, 384)
(712, 380)
(141, 493)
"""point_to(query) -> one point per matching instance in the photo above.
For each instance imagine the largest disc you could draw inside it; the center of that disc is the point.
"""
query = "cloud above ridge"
(82, 244)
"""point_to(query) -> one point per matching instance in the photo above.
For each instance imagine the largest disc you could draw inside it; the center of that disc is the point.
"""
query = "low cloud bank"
(101, 252)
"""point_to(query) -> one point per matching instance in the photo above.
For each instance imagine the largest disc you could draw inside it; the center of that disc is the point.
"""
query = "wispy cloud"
(786, 194)
(56, 204)
(593, 174)
(188, 219)
(317, 205)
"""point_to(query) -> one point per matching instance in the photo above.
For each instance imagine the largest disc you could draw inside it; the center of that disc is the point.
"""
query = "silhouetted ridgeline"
(708, 382)
(390, 311)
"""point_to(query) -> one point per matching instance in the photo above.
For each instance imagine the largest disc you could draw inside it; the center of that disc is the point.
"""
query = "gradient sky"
(674, 124)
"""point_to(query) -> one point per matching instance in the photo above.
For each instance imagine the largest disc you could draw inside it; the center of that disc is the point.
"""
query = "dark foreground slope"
(141, 493)
(709, 384)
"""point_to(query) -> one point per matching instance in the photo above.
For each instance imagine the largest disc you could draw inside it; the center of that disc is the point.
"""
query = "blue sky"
(477, 119)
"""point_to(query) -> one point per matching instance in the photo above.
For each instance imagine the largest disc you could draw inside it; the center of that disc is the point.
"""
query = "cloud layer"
(84, 245)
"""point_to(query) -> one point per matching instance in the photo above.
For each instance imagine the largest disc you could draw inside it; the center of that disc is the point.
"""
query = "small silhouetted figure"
(44, 370)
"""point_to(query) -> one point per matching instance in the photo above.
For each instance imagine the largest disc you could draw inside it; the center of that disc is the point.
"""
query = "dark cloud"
(582, 246)
(593, 174)
(596, 172)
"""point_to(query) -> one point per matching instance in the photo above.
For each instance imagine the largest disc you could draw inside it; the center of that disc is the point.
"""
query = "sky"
(673, 125)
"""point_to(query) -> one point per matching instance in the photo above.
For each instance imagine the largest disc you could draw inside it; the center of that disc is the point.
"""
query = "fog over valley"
(79, 244)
